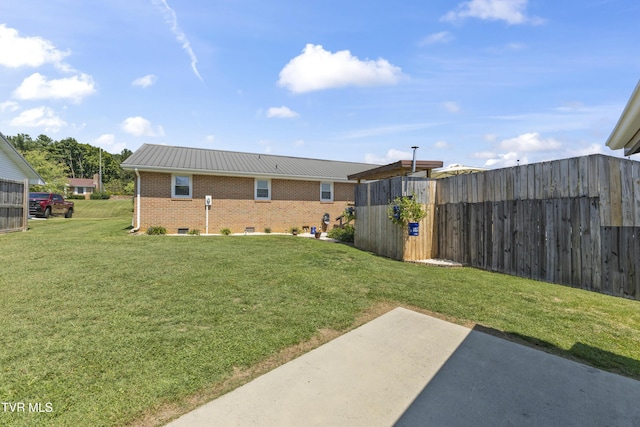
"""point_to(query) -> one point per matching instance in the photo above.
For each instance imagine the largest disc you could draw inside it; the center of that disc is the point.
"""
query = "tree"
(21, 142)
(54, 174)
(78, 160)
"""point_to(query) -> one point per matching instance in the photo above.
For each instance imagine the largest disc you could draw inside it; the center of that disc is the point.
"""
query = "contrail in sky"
(172, 20)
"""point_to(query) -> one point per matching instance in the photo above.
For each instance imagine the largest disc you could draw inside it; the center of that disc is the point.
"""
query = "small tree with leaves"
(54, 174)
(405, 209)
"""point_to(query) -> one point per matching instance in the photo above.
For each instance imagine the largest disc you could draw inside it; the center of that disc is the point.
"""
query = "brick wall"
(293, 203)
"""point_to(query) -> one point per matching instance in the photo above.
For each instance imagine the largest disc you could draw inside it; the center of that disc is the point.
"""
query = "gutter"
(624, 135)
(133, 230)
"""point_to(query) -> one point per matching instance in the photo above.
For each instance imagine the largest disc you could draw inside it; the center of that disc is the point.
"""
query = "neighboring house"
(82, 186)
(249, 192)
(626, 134)
(16, 174)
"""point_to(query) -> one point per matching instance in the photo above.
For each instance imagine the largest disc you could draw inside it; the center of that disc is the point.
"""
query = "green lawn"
(114, 329)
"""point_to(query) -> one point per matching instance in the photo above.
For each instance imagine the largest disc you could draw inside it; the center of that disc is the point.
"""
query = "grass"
(95, 209)
(112, 329)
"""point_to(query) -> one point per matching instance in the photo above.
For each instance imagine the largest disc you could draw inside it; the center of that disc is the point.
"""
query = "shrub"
(267, 230)
(349, 214)
(156, 230)
(194, 232)
(403, 210)
(100, 195)
(225, 231)
(75, 197)
(345, 234)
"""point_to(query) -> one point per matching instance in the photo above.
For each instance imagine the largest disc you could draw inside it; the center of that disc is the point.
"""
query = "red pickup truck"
(47, 204)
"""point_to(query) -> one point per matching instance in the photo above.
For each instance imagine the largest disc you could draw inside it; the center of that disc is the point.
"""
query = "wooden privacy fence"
(13, 205)
(376, 233)
(574, 222)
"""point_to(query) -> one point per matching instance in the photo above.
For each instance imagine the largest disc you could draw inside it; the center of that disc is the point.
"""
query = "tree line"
(57, 161)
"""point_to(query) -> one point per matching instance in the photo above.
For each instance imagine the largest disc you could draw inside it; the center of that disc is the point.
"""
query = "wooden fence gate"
(376, 233)
(14, 208)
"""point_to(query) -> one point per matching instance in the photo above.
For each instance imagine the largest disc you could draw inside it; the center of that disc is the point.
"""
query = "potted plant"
(295, 230)
(407, 210)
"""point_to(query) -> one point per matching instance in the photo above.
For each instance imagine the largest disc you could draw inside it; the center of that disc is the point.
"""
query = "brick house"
(82, 186)
(249, 192)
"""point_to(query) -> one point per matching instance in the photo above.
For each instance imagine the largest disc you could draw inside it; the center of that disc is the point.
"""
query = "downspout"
(133, 230)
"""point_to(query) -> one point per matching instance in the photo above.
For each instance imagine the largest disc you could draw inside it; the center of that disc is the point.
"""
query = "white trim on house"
(258, 190)
(177, 181)
(14, 166)
(324, 190)
(626, 134)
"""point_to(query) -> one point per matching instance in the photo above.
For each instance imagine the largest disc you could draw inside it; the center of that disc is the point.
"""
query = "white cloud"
(484, 154)
(392, 155)
(385, 130)
(441, 145)
(41, 117)
(451, 106)
(441, 37)
(588, 150)
(171, 19)
(145, 81)
(281, 113)
(298, 143)
(510, 11)
(210, 138)
(506, 160)
(9, 106)
(318, 69)
(139, 126)
(108, 143)
(490, 137)
(16, 51)
(530, 142)
(36, 86)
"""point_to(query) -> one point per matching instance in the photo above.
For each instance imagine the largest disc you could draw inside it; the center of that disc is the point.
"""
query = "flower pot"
(318, 234)
(414, 228)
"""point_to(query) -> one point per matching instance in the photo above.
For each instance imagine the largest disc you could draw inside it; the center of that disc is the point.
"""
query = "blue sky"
(481, 82)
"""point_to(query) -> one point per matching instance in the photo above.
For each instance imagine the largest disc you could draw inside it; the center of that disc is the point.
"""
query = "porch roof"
(399, 168)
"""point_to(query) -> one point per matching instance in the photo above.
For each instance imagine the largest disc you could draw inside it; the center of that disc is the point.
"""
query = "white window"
(181, 186)
(326, 191)
(263, 189)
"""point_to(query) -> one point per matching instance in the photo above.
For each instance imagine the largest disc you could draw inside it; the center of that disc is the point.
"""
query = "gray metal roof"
(165, 158)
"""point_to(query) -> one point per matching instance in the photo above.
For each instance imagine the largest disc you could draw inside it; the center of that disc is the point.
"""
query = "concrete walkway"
(409, 369)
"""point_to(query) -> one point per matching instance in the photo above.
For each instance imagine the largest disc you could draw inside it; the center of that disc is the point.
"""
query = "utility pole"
(100, 172)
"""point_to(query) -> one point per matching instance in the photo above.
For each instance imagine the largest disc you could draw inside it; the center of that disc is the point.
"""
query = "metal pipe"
(413, 165)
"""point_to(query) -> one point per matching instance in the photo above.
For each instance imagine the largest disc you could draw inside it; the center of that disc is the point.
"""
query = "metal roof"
(166, 158)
